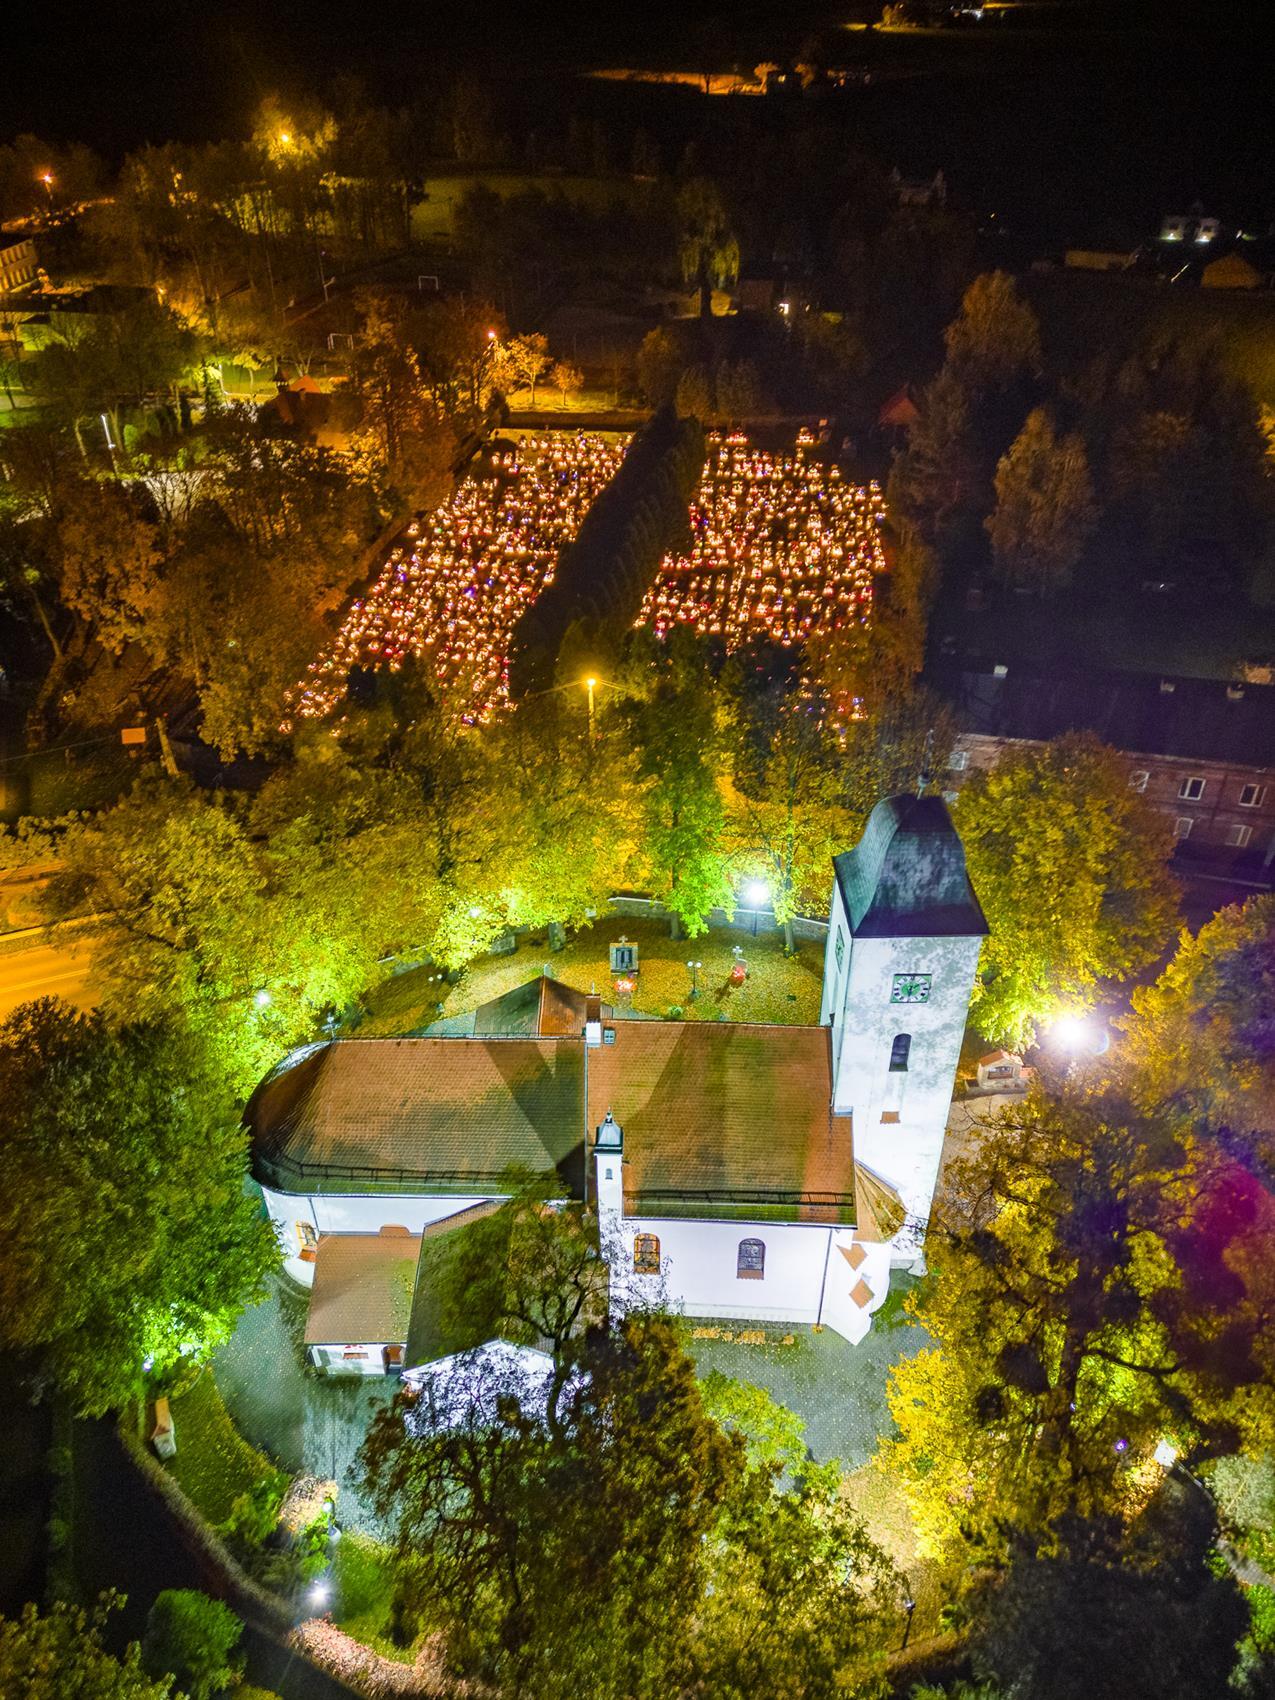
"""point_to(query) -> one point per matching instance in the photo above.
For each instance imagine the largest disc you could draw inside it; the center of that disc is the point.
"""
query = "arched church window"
(750, 1260)
(899, 1053)
(646, 1254)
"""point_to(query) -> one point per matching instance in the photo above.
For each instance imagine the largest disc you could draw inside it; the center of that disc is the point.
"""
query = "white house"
(738, 1170)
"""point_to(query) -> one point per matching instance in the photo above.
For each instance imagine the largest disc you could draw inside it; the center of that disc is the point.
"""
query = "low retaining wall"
(803, 926)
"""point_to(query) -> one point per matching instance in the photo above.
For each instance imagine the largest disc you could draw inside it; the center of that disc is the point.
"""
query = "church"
(767, 1173)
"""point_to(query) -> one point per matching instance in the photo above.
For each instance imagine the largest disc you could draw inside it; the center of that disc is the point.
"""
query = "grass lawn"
(214, 1464)
(778, 988)
(362, 1582)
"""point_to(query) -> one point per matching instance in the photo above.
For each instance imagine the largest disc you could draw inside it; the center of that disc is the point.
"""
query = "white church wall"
(857, 1283)
(699, 1268)
(336, 1213)
(904, 1149)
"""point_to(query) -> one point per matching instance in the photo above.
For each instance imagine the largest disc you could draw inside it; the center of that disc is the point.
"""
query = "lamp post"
(909, 1607)
(46, 177)
(757, 894)
(694, 968)
(589, 684)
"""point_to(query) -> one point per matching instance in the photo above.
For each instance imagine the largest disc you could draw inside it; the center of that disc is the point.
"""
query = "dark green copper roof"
(906, 877)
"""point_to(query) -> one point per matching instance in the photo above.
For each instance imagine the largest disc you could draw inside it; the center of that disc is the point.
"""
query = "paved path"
(42, 969)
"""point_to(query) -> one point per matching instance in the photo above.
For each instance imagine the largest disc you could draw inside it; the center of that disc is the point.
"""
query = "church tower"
(904, 934)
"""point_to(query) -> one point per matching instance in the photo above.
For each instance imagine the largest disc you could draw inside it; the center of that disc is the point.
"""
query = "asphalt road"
(45, 970)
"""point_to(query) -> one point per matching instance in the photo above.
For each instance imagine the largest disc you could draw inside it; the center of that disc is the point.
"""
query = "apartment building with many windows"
(1201, 750)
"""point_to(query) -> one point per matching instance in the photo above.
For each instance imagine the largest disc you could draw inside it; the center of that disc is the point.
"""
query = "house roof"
(541, 1008)
(726, 1119)
(435, 1115)
(362, 1289)
(906, 876)
(1207, 719)
(442, 1321)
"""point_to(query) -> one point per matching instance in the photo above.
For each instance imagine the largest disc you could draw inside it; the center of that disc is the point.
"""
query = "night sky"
(1159, 107)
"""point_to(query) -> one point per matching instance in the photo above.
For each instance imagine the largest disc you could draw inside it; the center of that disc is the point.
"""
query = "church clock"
(911, 988)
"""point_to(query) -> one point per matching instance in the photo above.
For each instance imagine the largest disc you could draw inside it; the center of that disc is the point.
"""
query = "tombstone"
(624, 957)
(557, 936)
(163, 1435)
(506, 944)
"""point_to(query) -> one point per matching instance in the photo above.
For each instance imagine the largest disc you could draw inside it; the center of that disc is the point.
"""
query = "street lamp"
(46, 177)
(757, 894)
(694, 968)
(590, 684)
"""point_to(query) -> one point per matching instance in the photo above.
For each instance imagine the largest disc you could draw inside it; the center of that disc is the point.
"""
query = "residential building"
(1201, 750)
(737, 1170)
(19, 266)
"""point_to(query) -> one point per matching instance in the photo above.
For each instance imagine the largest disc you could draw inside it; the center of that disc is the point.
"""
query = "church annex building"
(774, 1173)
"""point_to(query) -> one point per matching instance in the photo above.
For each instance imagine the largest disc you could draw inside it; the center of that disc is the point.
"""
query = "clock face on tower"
(911, 988)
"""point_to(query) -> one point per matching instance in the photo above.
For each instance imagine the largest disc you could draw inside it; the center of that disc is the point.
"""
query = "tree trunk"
(705, 289)
(790, 946)
(675, 925)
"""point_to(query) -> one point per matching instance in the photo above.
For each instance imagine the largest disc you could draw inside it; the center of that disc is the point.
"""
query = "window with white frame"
(1191, 789)
(1138, 779)
(1252, 796)
(1182, 826)
(1237, 836)
(960, 760)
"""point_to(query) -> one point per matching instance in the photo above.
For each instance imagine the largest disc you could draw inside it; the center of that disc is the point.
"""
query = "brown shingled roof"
(444, 1115)
(362, 1289)
(726, 1116)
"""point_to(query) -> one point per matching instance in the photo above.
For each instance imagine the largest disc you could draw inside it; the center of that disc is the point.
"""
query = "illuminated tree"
(126, 1232)
(1096, 1287)
(785, 818)
(524, 1526)
(1070, 866)
(60, 1653)
(1202, 1037)
(193, 1638)
(521, 362)
(706, 243)
(1045, 509)
(994, 342)
(673, 731)
(566, 379)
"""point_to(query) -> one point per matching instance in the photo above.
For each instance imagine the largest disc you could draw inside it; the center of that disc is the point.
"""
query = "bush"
(675, 1012)
(192, 1638)
(255, 1513)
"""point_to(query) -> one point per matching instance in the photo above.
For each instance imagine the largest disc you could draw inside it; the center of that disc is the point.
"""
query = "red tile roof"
(362, 1291)
(437, 1115)
(727, 1114)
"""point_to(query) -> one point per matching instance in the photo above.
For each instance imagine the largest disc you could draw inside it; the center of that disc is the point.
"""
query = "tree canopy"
(59, 1655)
(1070, 867)
(127, 1237)
(1097, 1287)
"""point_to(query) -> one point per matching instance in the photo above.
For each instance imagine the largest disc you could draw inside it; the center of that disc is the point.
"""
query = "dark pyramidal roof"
(906, 877)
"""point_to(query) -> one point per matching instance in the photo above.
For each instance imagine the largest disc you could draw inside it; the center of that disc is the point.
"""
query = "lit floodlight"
(262, 999)
(757, 893)
(319, 1592)
(285, 137)
(1072, 1032)
(590, 684)
(1165, 1454)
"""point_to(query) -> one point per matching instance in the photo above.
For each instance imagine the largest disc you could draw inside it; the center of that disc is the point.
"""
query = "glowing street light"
(262, 999)
(1078, 1034)
(590, 685)
(757, 894)
(319, 1593)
